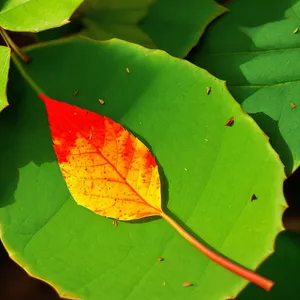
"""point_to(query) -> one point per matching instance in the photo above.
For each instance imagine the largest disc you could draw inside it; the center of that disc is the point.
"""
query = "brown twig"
(10, 43)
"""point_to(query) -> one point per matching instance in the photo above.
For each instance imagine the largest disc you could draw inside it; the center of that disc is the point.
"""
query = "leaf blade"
(4, 67)
(225, 166)
(104, 20)
(106, 168)
(34, 15)
(257, 54)
(177, 26)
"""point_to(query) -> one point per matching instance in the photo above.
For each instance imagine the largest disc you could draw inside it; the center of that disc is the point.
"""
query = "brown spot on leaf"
(160, 258)
(293, 105)
(76, 92)
(187, 284)
(253, 197)
(115, 222)
(230, 122)
(208, 90)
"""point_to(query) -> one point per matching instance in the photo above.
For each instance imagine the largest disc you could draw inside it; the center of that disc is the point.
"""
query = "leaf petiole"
(11, 44)
(243, 272)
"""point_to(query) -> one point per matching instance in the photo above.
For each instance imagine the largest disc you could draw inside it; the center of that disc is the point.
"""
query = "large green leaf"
(209, 173)
(255, 50)
(35, 15)
(4, 66)
(176, 26)
(108, 19)
(173, 25)
(284, 267)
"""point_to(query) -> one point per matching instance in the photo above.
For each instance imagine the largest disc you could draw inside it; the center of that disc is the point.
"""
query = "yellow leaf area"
(106, 168)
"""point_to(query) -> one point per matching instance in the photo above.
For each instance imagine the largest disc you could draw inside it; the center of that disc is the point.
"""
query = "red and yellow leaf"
(106, 168)
(112, 173)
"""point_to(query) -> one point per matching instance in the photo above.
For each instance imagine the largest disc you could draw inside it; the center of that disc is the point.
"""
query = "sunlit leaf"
(209, 173)
(4, 67)
(35, 15)
(256, 50)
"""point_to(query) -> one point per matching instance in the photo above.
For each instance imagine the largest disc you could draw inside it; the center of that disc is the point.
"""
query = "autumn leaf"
(112, 173)
(106, 169)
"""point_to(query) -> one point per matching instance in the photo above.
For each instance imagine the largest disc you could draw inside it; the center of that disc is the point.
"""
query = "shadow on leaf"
(234, 48)
(282, 267)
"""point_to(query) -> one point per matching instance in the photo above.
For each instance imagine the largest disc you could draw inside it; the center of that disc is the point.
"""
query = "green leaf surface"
(35, 15)
(209, 173)
(4, 67)
(172, 25)
(108, 19)
(254, 48)
(284, 267)
(176, 26)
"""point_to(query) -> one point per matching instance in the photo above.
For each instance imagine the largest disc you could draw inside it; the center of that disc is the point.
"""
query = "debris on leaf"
(101, 101)
(296, 30)
(76, 92)
(208, 90)
(127, 70)
(187, 284)
(160, 259)
(253, 197)
(115, 222)
(90, 135)
(230, 122)
(293, 105)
